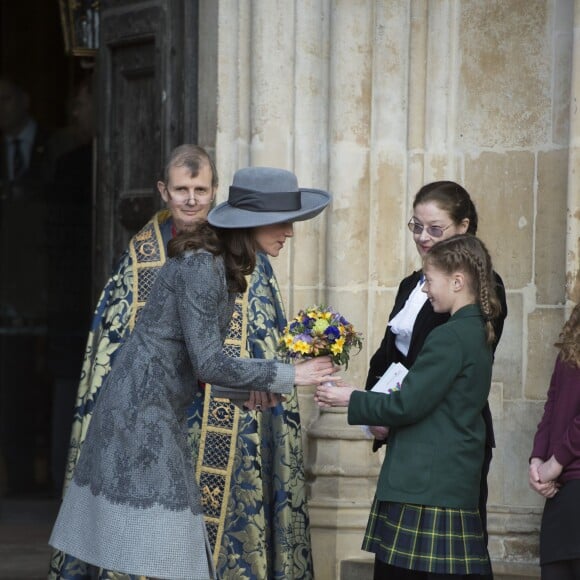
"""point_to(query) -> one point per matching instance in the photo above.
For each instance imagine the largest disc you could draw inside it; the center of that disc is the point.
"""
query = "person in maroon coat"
(555, 461)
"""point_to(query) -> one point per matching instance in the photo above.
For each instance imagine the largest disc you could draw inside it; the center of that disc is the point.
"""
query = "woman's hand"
(314, 371)
(332, 396)
(546, 489)
(260, 400)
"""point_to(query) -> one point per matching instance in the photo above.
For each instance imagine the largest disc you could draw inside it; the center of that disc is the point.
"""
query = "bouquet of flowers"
(318, 331)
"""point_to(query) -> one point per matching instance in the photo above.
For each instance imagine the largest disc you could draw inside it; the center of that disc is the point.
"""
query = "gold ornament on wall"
(80, 26)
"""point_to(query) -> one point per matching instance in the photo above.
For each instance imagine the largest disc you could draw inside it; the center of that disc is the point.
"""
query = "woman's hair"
(194, 158)
(569, 342)
(451, 198)
(467, 254)
(237, 246)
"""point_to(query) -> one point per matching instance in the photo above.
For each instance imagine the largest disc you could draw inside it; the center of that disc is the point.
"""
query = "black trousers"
(387, 572)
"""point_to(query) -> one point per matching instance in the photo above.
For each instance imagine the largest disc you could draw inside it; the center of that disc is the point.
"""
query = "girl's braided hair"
(569, 343)
(467, 253)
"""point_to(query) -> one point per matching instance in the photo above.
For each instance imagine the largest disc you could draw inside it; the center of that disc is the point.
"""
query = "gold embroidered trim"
(147, 254)
(219, 430)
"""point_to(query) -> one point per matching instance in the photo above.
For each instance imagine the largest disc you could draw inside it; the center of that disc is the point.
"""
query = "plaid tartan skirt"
(427, 539)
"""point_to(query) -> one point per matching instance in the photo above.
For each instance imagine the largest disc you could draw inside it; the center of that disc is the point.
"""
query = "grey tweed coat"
(133, 505)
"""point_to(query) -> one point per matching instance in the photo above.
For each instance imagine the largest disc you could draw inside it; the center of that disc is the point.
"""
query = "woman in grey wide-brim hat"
(135, 480)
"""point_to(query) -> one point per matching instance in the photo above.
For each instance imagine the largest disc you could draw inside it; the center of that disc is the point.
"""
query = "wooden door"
(147, 103)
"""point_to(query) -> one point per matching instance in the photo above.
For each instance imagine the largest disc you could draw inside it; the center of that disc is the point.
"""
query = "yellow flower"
(336, 348)
(301, 347)
(288, 340)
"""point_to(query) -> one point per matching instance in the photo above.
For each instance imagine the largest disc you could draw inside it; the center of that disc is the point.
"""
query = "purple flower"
(303, 337)
(332, 331)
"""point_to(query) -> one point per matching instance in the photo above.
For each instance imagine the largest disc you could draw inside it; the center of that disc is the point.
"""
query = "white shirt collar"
(403, 322)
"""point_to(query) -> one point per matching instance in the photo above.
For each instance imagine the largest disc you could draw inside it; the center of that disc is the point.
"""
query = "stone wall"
(372, 99)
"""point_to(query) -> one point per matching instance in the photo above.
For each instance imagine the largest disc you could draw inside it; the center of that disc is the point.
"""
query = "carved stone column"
(344, 470)
(573, 215)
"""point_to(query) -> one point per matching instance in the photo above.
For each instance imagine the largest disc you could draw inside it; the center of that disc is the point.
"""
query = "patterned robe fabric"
(264, 525)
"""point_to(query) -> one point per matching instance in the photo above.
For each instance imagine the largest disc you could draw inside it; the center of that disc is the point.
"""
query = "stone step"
(515, 570)
(25, 526)
(362, 569)
(24, 561)
(357, 569)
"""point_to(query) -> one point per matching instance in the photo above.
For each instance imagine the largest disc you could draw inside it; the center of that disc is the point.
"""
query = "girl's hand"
(332, 396)
(379, 433)
(550, 470)
(548, 489)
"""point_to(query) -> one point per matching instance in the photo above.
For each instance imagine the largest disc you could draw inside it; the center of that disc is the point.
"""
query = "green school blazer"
(436, 444)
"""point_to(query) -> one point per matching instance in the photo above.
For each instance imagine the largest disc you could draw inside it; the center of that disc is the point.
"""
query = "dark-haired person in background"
(24, 171)
(68, 241)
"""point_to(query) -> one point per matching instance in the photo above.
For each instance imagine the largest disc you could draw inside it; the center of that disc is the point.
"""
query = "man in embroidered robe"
(250, 462)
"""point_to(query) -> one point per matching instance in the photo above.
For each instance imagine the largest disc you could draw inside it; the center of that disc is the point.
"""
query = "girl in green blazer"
(424, 522)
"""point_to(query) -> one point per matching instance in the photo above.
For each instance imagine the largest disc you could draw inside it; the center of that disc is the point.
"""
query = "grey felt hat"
(261, 196)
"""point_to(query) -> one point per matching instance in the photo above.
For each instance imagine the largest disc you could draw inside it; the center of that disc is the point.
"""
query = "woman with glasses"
(440, 210)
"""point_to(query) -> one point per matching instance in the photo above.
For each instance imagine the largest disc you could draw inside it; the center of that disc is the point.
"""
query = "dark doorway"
(144, 86)
(36, 210)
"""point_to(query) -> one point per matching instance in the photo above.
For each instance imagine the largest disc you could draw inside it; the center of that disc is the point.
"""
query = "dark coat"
(32, 182)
